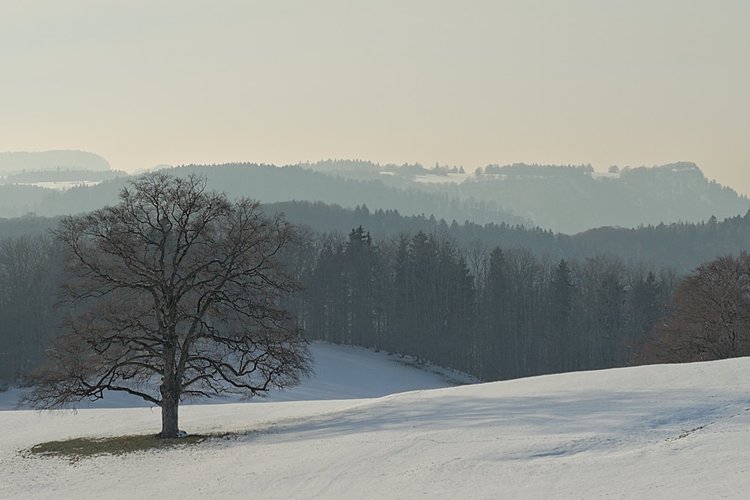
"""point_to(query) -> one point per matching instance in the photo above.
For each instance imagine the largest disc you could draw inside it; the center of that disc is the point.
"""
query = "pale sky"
(471, 82)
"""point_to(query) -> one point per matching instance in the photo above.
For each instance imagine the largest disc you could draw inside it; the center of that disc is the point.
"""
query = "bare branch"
(177, 287)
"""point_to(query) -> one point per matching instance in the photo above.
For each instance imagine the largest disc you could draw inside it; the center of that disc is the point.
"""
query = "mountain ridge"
(68, 159)
(565, 199)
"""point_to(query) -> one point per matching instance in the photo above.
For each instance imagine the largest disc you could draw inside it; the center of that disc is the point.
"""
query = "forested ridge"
(565, 199)
(24, 161)
(681, 246)
(568, 198)
(495, 300)
(266, 183)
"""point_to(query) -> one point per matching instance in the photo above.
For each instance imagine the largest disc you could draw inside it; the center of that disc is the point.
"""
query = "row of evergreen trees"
(682, 246)
(496, 314)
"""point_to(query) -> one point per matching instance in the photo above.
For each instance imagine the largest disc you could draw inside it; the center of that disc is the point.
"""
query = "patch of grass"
(78, 448)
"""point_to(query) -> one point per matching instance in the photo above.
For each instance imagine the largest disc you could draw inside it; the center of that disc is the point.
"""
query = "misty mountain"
(21, 199)
(17, 199)
(567, 199)
(564, 199)
(16, 162)
(51, 177)
(268, 183)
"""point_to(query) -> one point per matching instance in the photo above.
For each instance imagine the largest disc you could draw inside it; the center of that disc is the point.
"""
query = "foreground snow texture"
(652, 432)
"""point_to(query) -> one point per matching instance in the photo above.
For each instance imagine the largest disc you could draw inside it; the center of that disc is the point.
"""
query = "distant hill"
(268, 183)
(15, 162)
(575, 199)
(567, 199)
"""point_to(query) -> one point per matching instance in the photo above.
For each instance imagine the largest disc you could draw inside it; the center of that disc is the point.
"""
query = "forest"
(494, 300)
(29, 280)
(681, 246)
(497, 313)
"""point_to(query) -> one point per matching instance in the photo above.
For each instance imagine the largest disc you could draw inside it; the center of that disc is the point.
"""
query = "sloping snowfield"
(679, 431)
(341, 372)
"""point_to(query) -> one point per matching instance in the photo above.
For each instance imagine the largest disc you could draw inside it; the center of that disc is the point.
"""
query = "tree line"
(682, 246)
(495, 313)
(29, 280)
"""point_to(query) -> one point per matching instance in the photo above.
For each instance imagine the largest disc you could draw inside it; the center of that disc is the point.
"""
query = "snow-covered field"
(341, 372)
(680, 431)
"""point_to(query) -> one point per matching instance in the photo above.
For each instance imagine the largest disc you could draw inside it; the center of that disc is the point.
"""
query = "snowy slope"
(341, 372)
(679, 431)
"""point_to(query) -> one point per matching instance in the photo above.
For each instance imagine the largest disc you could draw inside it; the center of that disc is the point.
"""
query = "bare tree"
(709, 317)
(175, 294)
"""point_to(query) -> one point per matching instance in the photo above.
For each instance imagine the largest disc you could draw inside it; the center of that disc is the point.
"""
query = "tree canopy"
(709, 317)
(173, 293)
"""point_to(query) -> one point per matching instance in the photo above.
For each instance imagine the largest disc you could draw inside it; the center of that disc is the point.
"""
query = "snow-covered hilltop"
(677, 431)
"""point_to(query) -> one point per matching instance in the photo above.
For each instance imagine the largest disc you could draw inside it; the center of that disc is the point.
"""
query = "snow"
(605, 175)
(60, 185)
(677, 431)
(340, 372)
(451, 178)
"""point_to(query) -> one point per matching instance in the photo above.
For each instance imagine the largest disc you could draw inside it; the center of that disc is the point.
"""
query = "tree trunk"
(169, 415)
(170, 396)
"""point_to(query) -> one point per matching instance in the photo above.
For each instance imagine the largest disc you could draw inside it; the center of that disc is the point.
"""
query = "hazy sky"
(466, 82)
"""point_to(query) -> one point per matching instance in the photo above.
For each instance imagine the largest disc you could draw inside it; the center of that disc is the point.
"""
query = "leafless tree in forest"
(709, 317)
(175, 293)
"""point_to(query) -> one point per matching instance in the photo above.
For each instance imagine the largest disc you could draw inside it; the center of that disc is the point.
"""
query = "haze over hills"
(28, 180)
(267, 183)
(567, 199)
(15, 162)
